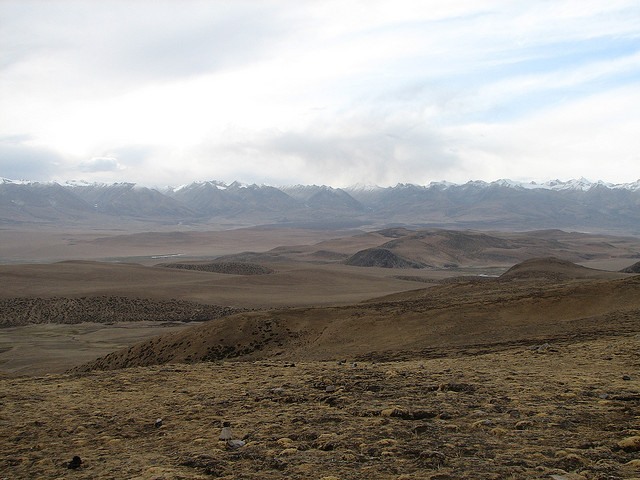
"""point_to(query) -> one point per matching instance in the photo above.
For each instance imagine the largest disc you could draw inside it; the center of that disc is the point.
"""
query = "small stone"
(482, 423)
(235, 444)
(626, 377)
(630, 444)
(330, 388)
(75, 463)
(158, 423)
(225, 434)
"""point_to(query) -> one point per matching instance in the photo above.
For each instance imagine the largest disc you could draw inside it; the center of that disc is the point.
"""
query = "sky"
(319, 92)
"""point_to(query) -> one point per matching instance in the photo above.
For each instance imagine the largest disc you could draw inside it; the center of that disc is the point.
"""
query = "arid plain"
(393, 354)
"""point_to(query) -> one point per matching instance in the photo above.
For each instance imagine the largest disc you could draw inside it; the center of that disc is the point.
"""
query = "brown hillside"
(554, 269)
(456, 316)
(448, 248)
(635, 268)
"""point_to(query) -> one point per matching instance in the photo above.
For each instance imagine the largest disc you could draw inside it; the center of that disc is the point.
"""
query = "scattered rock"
(225, 434)
(544, 348)
(75, 463)
(235, 444)
(626, 377)
(158, 423)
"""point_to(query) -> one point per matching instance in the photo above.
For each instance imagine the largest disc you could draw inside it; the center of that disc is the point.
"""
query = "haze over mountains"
(574, 205)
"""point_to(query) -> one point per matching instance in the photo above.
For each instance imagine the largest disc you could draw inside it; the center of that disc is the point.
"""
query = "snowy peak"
(577, 204)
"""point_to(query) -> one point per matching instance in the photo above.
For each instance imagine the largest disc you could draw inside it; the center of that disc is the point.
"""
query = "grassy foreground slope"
(570, 409)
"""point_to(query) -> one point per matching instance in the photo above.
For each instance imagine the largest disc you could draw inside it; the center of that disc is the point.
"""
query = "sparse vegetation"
(529, 375)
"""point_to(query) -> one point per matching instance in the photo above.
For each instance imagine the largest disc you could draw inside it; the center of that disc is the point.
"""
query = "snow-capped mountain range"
(503, 204)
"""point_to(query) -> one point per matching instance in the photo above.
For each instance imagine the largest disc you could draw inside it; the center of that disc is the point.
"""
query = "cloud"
(593, 136)
(100, 164)
(365, 146)
(119, 43)
(335, 92)
(20, 160)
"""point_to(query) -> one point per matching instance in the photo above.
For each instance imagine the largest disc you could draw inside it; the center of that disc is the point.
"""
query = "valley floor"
(555, 411)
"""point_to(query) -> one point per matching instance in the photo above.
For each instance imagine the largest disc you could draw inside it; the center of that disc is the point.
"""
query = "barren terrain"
(504, 356)
(569, 409)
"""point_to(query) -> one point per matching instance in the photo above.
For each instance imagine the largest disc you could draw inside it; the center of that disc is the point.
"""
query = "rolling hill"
(460, 316)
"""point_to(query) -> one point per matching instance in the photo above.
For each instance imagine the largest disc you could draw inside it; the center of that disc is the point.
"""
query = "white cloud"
(100, 164)
(338, 92)
(596, 137)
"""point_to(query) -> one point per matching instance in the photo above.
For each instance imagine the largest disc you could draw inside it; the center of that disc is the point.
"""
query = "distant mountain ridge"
(502, 204)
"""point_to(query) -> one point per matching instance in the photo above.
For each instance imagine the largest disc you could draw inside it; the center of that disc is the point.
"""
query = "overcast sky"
(324, 92)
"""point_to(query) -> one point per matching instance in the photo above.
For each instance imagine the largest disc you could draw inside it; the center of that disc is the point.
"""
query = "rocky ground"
(566, 411)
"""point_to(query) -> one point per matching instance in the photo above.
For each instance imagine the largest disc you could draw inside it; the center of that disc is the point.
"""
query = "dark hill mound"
(104, 309)
(635, 268)
(233, 268)
(554, 269)
(381, 257)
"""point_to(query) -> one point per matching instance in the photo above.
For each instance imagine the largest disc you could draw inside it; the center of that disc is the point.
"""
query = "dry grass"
(518, 413)
(474, 391)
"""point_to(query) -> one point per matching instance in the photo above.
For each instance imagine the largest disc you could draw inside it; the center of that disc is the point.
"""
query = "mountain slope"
(440, 318)
(503, 205)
